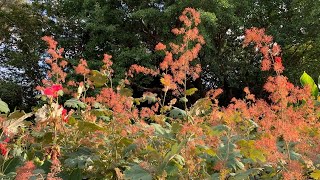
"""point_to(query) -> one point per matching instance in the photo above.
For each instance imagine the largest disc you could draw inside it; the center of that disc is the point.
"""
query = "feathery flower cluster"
(82, 68)
(56, 73)
(107, 63)
(140, 69)
(177, 70)
(267, 48)
(25, 172)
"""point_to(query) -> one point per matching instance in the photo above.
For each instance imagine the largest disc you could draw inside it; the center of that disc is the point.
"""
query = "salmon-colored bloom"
(168, 83)
(160, 47)
(82, 67)
(107, 60)
(25, 172)
(277, 66)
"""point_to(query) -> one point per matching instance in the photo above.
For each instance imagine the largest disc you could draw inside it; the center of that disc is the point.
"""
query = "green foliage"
(87, 127)
(248, 149)
(136, 172)
(201, 107)
(74, 103)
(97, 78)
(177, 113)
(315, 174)
(4, 107)
(190, 91)
(306, 80)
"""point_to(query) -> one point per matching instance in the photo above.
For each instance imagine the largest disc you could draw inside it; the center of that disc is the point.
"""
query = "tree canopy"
(130, 29)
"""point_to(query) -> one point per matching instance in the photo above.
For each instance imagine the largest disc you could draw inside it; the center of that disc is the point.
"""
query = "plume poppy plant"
(250, 138)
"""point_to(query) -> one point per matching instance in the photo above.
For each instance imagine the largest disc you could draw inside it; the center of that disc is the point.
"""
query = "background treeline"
(130, 29)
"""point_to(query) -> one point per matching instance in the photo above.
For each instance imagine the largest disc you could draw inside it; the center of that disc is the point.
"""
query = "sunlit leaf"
(305, 80)
(98, 78)
(126, 92)
(12, 125)
(248, 149)
(86, 127)
(201, 106)
(183, 99)
(4, 107)
(190, 91)
(42, 113)
(315, 174)
(16, 114)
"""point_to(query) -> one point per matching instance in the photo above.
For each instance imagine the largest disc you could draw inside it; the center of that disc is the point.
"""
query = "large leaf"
(307, 80)
(315, 90)
(200, 107)
(12, 124)
(248, 149)
(11, 164)
(4, 107)
(16, 114)
(315, 174)
(165, 132)
(98, 78)
(135, 172)
(177, 113)
(75, 103)
(42, 113)
(150, 97)
(190, 91)
(126, 92)
(76, 174)
(246, 174)
(175, 150)
(80, 162)
(86, 127)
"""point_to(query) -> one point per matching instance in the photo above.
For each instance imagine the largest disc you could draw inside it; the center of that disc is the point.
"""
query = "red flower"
(53, 90)
(57, 87)
(48, 91)
(3, 149)
(278, 59)
(64, 115)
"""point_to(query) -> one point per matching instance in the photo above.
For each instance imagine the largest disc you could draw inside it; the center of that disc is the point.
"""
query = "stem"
(110, 82)
(288, 151)
(164, 96)
(115, 146)
(55, 133)
(85, 90)
(228, 147)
